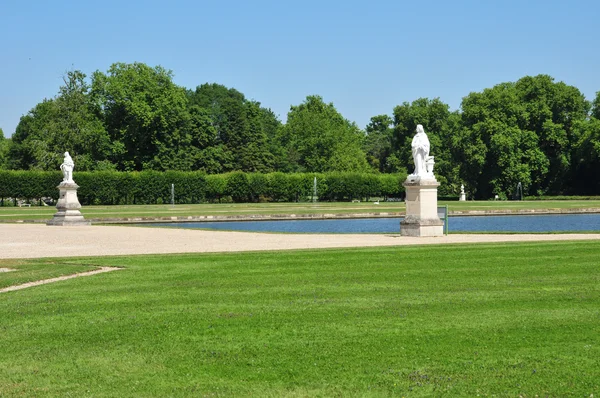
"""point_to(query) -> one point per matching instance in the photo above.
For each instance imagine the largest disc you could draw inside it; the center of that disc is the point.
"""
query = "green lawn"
(459, 320)
(26, 271)
(105, 212)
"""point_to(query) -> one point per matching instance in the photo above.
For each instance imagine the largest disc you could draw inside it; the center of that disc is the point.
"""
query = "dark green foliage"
(587, 158)
(154, 187)
(238, 187)
(349, 186)
(378, 143)
(145, 113)
(440, 125)
(240, 133)
(216, 185)
(341, 187)
(29, 184)
(317, 138)
(596, 106)
(66, 123)
(535, 131)
(4, 148)
(258, 186)
(521, 132)
(278, 187)
(391, 185)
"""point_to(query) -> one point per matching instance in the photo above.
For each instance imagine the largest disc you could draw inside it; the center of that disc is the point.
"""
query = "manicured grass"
(27, 271)
(105, 212)
(460, 320)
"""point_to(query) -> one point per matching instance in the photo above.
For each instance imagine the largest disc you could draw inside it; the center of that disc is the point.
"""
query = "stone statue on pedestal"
(68, 204)
(421, 217)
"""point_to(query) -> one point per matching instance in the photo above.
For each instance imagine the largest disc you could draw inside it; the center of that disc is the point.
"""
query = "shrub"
(152, 187)
(238, 187)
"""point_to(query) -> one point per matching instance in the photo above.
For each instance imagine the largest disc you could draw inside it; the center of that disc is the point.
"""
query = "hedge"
(153, 187)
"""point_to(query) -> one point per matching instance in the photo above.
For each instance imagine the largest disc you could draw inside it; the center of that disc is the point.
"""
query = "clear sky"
(364, 56)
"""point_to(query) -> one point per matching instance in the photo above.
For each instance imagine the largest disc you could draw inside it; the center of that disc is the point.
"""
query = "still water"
(522, 223)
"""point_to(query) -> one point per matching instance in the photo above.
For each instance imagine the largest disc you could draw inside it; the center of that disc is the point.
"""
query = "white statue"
(463, 195)
(67, 168)
(420, 152)
(462, 189)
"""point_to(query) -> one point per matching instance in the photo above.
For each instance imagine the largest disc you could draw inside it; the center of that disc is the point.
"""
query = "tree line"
(537, 132)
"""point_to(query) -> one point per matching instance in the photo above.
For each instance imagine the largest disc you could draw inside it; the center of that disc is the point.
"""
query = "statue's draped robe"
(420, 151)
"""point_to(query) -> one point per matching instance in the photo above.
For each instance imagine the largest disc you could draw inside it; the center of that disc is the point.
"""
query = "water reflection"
(528, 223)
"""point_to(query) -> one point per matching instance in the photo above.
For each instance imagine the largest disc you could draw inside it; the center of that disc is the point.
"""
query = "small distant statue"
(420, 151)
(67, 168)
(462, 189)
(463, 195)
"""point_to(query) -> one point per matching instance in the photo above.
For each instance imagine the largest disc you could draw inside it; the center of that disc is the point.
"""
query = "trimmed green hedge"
(562, 197)
(153, 187)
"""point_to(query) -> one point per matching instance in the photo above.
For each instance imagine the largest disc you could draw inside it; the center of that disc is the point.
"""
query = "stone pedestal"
(68, 206)
(421, 208)
(463, 197)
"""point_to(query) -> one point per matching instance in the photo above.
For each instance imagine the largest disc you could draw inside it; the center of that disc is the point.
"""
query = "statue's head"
(420, 129)
(67, 154)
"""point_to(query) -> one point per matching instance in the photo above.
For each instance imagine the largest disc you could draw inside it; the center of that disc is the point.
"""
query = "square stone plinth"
(68, 207)
(421, 209)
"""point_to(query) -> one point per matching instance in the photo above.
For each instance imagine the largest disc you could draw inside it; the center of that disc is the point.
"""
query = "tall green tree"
(551, 109)
(67, 122)
(272, 127)
(440, 126)
(521, 132)
(596, 106)
(587, 158)
(497, 154)
(145, 114)
(4, 144)
(208, 153)
(378, 143)
(242, 127)
(318, 138)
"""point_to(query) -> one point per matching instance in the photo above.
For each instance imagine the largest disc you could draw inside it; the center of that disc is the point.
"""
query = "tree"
(551, 110)
(497, 153)
(378, 143)
(317, 138)
(145, 114)
(596, 106)
(251, 147)
(440, 126)
(587, 158)
(207, 153)
(242, 127)
(4, 145)
(272, 127)
(520, 132)
(67, 122)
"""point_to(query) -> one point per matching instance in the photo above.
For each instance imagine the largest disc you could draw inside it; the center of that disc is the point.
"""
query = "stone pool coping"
(320, 216)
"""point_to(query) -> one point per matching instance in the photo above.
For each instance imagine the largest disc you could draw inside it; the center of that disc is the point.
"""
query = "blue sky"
(364, 56)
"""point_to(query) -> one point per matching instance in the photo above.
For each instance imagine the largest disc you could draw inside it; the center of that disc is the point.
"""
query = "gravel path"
(36, 241)
(58, 279)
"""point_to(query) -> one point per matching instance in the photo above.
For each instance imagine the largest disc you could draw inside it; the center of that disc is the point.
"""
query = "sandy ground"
(37, 241)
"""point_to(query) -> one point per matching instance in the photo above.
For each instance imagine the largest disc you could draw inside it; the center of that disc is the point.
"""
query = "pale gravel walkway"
(58, 279)
(36, 241)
